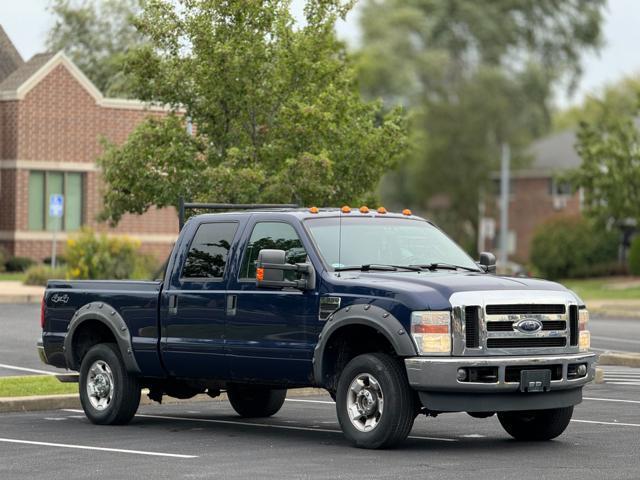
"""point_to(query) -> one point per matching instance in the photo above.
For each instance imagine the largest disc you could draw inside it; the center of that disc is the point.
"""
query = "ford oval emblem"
(528, 325)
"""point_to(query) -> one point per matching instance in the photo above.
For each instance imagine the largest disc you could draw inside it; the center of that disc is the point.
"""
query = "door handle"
(232, 304)
(173, 304)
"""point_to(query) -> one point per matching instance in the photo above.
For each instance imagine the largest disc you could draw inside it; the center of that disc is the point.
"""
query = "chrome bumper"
(41, 354)
(434, 374)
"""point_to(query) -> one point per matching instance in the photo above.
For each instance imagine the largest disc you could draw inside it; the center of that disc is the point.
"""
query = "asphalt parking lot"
(207, 440)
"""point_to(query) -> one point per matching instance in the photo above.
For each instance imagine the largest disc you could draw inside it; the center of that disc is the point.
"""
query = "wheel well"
(347, 343)
(88, 334)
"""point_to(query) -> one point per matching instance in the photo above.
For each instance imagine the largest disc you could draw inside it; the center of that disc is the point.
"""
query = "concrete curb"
(599, 378)
(57, 402)
(621, 359)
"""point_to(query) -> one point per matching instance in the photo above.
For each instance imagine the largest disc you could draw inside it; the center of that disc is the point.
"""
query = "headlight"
(584, 340)
(431, 332)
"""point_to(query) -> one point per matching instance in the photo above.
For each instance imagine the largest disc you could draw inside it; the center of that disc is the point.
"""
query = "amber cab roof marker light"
(364, 209)
(382, 210)
(314, 210)
(406, 211)
(346, 209)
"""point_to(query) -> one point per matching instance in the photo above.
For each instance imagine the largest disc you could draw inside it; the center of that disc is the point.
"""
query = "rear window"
(207, 257)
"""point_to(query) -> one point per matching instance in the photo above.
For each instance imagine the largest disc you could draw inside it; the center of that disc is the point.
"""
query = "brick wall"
(531, 204)
(60, 121)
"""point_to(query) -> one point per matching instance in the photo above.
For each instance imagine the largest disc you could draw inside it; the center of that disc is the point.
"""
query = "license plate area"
(532, 381)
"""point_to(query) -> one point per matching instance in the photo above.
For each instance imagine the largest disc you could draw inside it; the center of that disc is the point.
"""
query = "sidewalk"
(614, 308)
(16, 292)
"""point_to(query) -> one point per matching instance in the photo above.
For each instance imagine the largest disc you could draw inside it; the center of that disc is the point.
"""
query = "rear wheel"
(255, 402)
(374, 403)
(108, 393)
(536, 424)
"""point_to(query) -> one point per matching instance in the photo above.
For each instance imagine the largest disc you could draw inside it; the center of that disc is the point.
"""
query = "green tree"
(475, 74)
(610, 170)
(276, 110)
(96, 35)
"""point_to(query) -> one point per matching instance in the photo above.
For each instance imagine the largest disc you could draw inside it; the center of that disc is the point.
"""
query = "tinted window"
(208, 253)
(272, 235)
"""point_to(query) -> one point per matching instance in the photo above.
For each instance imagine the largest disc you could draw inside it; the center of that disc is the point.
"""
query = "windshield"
(384, 241)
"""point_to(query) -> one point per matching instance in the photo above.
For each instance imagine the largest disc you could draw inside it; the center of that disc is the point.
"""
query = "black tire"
(256, 402)
(399, 406)
(536, 425)
(125, 389)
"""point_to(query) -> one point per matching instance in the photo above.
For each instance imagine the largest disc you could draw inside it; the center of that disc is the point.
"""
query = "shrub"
(39, 274)
(3, 259)
(572, 247)
(634, 256)
(19, 264)
(60, 259)
(91, 256)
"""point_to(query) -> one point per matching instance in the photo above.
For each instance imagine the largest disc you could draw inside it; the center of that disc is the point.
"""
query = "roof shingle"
(10, 59)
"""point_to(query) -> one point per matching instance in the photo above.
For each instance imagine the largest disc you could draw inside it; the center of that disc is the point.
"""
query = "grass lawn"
(614, 288)
(15, 276)
(34, 385)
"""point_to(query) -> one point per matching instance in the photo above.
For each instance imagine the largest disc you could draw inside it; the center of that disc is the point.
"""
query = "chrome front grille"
(493, 323)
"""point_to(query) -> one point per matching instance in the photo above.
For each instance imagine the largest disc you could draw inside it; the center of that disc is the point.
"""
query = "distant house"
(51, 121)
(535, 195)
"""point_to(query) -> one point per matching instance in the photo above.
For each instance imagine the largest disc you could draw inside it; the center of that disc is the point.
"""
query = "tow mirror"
(271, 266)
(488, 262)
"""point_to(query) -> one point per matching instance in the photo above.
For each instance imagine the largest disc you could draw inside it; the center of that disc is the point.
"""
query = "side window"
(209, 249)
(272, 235)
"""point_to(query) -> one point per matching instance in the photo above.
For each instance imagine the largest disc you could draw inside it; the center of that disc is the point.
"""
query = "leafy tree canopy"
(276, 110)
(474, 74)
(610, 171)
(96, 34)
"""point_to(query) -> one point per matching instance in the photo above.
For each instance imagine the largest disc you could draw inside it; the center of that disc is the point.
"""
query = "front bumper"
(436, 381)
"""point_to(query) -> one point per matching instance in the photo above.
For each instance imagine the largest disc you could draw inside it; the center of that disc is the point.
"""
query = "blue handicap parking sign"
(56, 205)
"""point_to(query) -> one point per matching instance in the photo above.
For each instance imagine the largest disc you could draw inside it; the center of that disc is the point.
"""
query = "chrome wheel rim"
(100, 385)
(365, 402)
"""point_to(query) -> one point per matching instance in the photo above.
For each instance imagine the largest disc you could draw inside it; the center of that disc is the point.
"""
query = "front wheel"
(374, 403)
(536, 424)
(108, 393)
(255, 402)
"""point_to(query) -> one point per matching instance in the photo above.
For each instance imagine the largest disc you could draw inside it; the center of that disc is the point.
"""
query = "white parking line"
(326, 402)
(611, 400)
(263, 425)
(23, 369)
(607, 423)
(101, 449)
(614, 339)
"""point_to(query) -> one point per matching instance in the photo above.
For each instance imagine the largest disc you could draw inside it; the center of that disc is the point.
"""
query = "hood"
(432, 290)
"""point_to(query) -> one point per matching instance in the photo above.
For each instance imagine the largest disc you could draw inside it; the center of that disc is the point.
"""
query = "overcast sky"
(27, 21)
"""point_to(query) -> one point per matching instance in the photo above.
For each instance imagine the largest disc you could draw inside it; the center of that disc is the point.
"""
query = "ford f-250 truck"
(382, 310)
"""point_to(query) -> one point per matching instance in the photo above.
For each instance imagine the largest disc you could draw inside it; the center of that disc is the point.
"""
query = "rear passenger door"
(269, 336)
(194, 306)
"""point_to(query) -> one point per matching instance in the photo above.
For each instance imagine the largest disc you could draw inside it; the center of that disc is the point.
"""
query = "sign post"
(56, 210)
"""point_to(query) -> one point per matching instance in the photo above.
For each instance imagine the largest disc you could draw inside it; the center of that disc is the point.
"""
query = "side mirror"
(488, 262)
(271, 266)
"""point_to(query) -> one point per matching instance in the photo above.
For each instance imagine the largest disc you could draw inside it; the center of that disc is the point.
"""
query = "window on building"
(559, 188)
(273, 235)
(496, 186)
(44, 184)
(207, 257)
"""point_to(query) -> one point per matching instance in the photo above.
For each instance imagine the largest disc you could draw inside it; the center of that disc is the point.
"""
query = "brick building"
(535, 195)
(52, 119)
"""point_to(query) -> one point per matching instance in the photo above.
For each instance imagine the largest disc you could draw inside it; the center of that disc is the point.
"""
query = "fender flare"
(362, 314)
(110, 317)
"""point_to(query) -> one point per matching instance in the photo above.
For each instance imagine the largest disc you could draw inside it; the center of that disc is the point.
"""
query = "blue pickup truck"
(381, 309)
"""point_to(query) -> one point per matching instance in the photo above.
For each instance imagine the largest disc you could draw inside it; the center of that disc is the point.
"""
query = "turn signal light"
(406, 211)
(260, 274)
(584, 340)
(364, 209)
(431, 332)
(43, 305)
(346, 209)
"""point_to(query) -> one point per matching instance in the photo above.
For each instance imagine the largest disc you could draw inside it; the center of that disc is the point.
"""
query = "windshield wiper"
(445, 266)
(378, 267)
